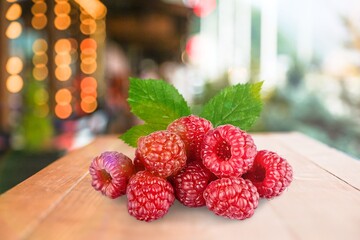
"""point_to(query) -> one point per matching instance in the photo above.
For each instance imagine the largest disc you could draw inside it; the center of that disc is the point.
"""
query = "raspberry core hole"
(223, 150)
(259, 174)
(104, 176)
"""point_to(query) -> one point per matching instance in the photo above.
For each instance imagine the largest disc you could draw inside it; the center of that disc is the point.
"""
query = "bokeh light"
(14, 83)
(62, 8)
(63, 59)
(63, 96)
(14, 12)
(40, 72)
(39, 7)
(88, 104)
(88, 68)
(88, 43)
(62, 45)
(14, 65)
(40, 46)
(88, 26)
(63, 111)
(88, 82)
(63, 72)
(40, 59)
(62, 22)
(39, 21)
(14, 30)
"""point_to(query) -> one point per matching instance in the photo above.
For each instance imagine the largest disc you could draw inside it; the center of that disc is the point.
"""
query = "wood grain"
(323, 202)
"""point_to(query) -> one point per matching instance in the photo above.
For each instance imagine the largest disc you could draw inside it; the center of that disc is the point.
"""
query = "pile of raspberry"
(199, 165)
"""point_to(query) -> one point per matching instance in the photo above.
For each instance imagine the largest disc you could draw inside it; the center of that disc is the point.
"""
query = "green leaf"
(132, 135)
(239, 105)
(156, 102)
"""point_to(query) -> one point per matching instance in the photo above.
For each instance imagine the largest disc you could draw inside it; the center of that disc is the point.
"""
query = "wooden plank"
(93, 216)
(59, 203)
(23, 207)
(330, 159)
(317, 205)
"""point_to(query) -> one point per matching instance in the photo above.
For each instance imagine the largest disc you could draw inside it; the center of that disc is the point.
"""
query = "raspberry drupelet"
(110, 173)
(271, 174)
(227, 151)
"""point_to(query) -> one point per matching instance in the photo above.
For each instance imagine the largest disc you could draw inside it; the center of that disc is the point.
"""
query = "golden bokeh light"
(88, 53)
(88, 43)
(62, 45)
(11, 1)
(14, 65)
(63, 96)
(14, 30)
(63, 111)
(40, 46)
(39, 21)
(39, 7)
(40, 72)
(94, 8)
(88, 60)
(88, 92)
(88, 26)
(40, 59)
(88, 82)
(88, 104)
(88, 68)
(62, 22)
(63, 59)
(63, 72)
(14, 12)
(14, 83)
(62, 8)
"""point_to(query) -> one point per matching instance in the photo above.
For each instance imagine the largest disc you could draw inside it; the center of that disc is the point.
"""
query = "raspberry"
(271, 174)
(227, 151)
(149, 196)
(233, 198)
(192, 130)
(190, 183)
(162, 153)
(110, 173)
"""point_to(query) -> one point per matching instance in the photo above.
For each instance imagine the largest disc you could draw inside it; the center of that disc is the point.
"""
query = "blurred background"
(65, 66)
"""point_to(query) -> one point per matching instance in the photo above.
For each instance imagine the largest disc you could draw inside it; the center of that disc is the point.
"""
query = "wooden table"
(323, 202)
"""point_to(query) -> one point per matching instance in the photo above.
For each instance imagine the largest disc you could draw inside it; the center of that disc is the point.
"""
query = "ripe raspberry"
(233, 198)
(227, 151)
(149, 197)
(192, 130)
(110, 173)
(190, 183)
(162, 153)
(271, 174)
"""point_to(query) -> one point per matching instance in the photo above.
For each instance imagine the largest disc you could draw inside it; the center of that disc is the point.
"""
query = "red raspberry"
(233, 198)
(190, 183)
(149, 196)
(162, 153)
(110, 173)
(192, 130)
(271, 174)
(227, 151)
